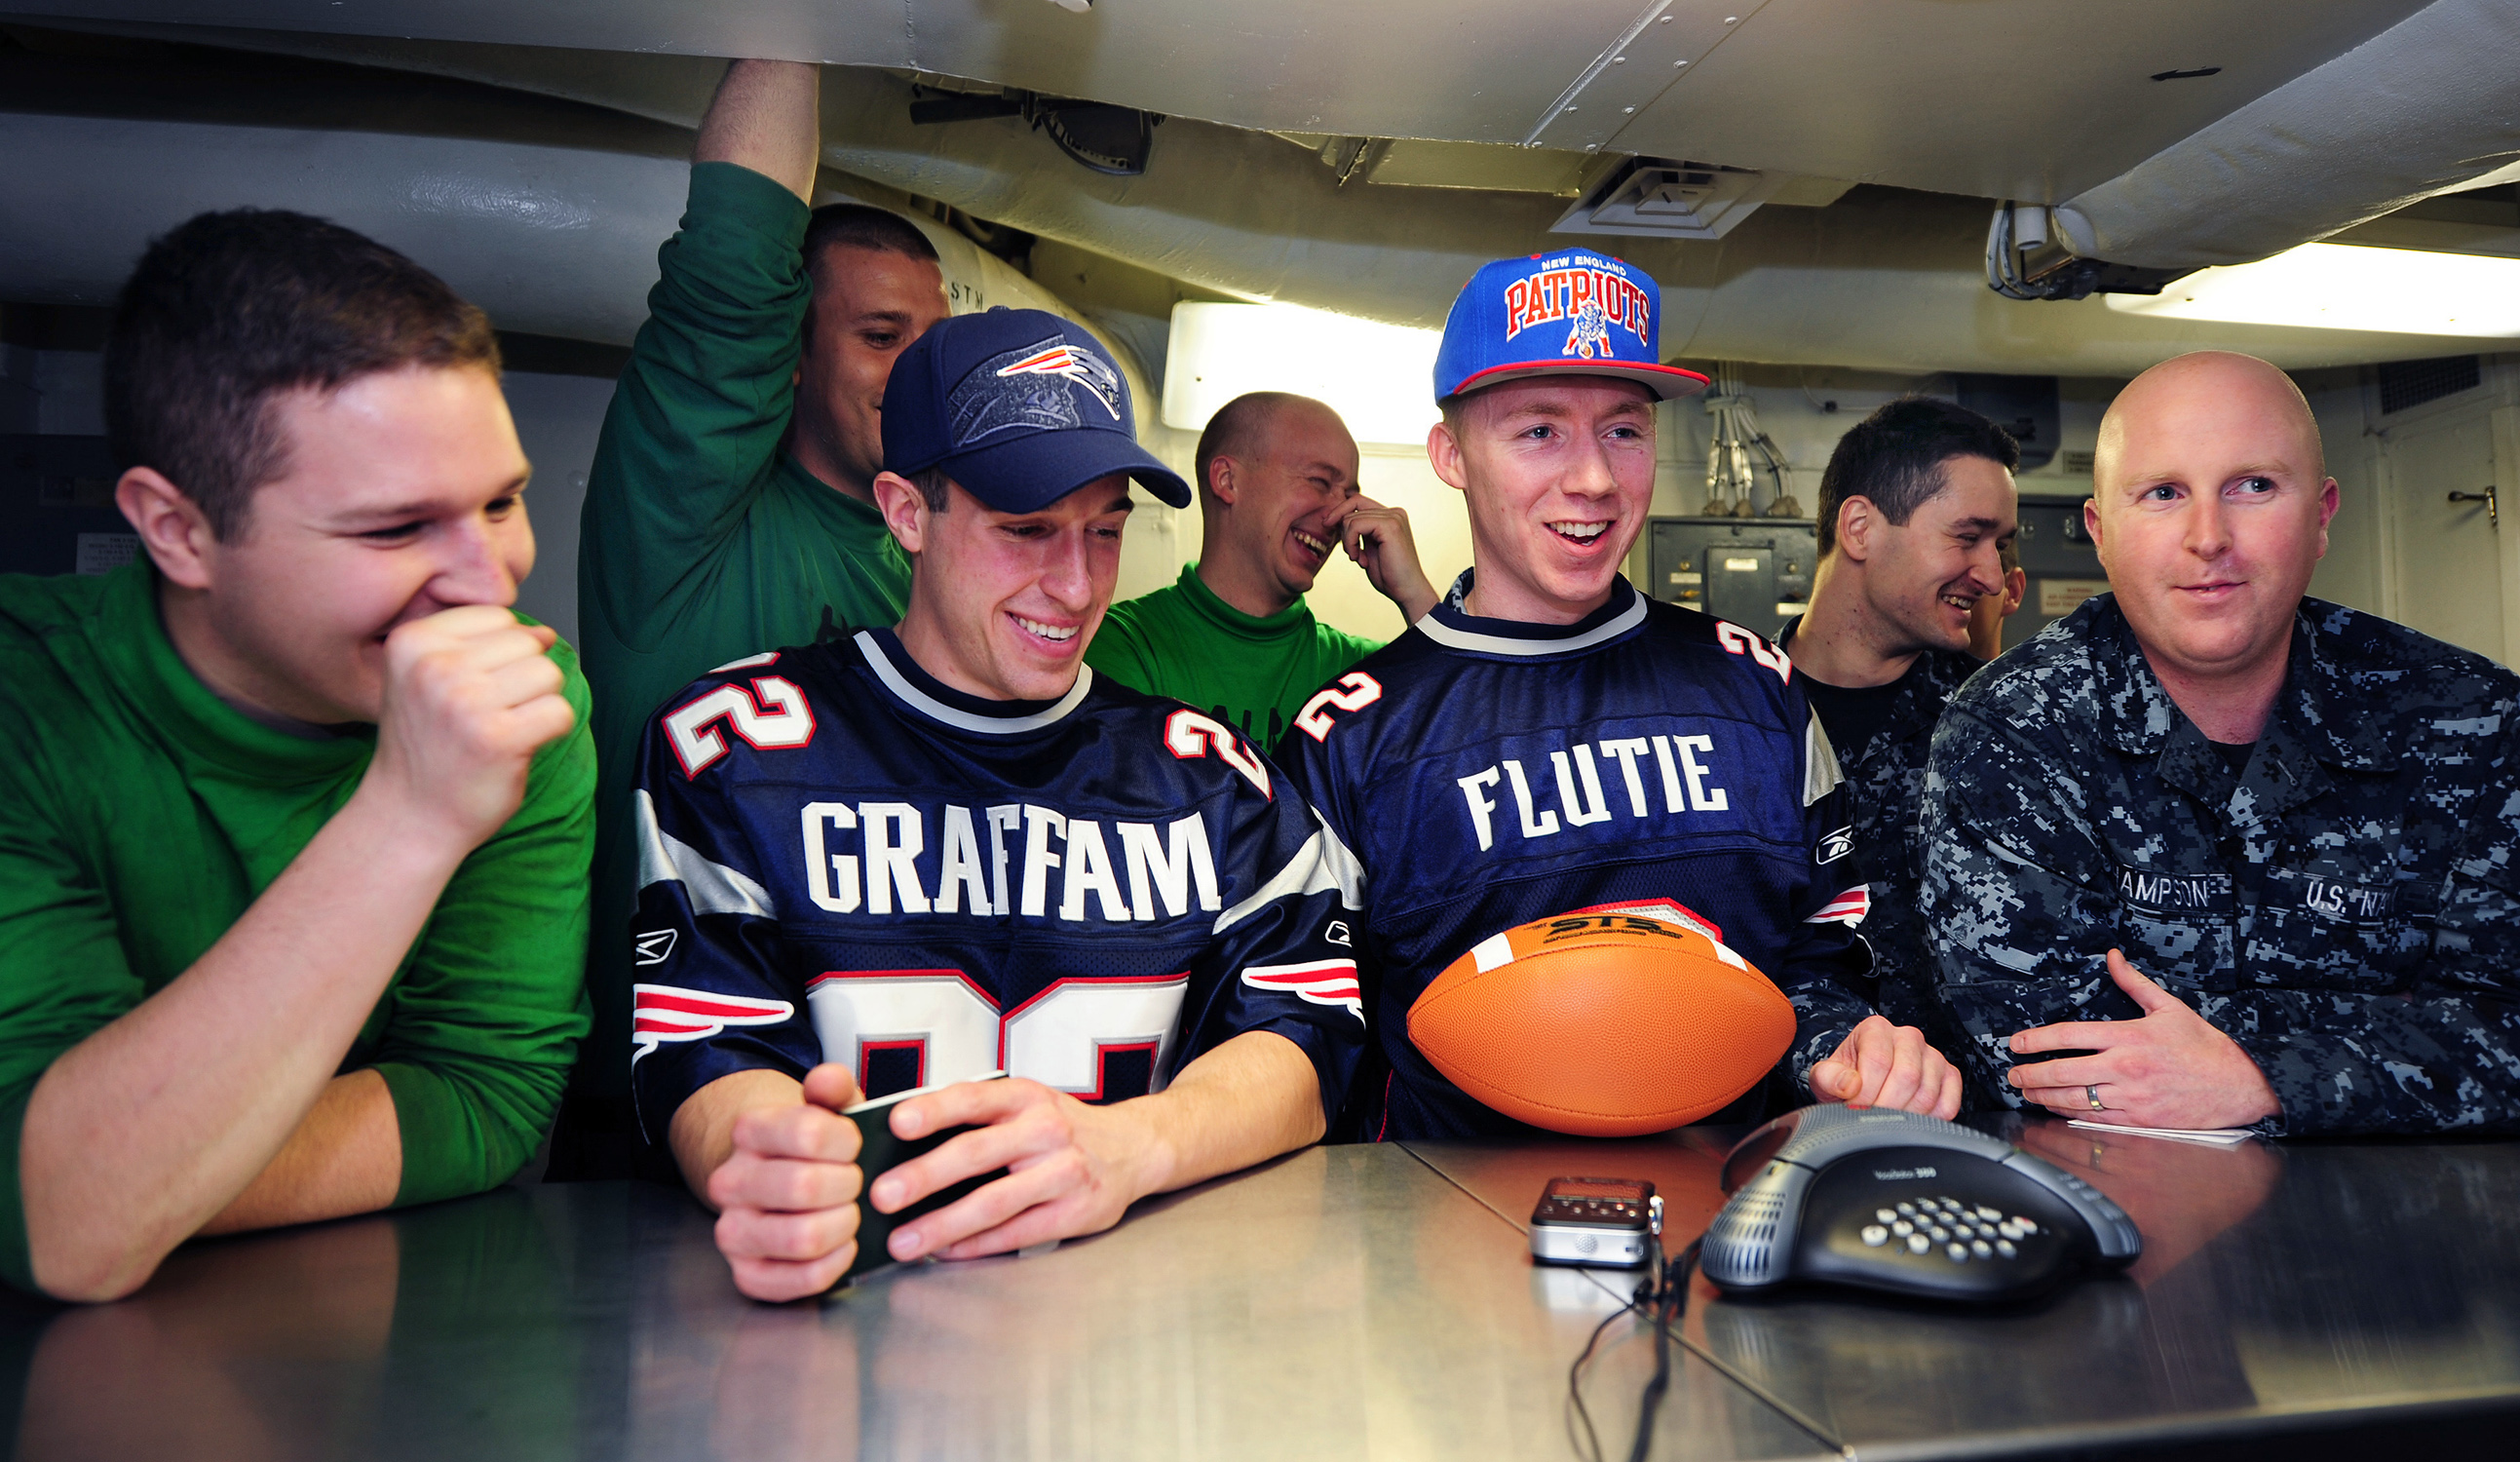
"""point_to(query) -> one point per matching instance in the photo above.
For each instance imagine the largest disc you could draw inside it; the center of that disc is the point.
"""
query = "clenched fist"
(470, 696)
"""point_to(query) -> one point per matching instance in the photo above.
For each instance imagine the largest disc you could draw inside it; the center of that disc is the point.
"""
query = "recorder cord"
(1661, 1297)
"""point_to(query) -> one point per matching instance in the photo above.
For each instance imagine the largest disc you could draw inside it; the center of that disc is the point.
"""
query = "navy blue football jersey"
(1650, 758)
(842, 859)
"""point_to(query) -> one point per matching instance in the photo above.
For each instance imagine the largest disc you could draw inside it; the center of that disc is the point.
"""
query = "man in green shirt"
(294, 827)
(1277, 480)
(731, 507)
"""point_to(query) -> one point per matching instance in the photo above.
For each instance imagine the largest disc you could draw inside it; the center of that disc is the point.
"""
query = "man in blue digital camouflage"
(2208, 853)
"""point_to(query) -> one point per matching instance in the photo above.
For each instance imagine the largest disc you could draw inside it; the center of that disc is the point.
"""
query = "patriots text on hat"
(1570, 312)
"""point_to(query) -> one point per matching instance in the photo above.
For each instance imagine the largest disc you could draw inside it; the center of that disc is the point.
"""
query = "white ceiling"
(2031, 98)
(1961, 101)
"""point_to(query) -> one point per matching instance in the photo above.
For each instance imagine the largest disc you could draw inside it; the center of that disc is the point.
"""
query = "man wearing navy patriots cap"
(1549, 740)
(920, 855)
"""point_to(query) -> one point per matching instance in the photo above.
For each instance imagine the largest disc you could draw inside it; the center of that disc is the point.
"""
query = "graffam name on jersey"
(1554, 295)
(988, 862)
(1594, 781)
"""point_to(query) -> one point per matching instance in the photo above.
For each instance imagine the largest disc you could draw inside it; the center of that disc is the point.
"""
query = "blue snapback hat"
(1568, 312)
(1019, 406)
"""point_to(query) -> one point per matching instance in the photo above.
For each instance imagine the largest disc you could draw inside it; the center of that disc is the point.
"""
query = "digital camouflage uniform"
(2347, 908)
(1887, 777)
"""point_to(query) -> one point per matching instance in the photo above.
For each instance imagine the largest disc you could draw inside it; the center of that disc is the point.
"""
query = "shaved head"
(2220, 383)
(2210, 502)
(1242, 426)
(1276, 475)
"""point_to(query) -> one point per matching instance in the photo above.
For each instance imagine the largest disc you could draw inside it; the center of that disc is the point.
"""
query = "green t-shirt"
(1253, 674)
(703, 540)
(140, 816)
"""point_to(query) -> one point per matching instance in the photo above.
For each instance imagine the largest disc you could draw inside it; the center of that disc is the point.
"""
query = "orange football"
(1606, 1022)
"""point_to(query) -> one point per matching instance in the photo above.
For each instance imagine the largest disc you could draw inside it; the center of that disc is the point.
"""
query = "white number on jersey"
(1355, 691)
(1190, 736)
(1740, 641)
(778, 718)
(1062, 1037)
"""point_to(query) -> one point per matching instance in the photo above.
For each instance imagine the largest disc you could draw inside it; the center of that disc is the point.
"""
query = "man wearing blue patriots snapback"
(1548, 741)
(913, 859)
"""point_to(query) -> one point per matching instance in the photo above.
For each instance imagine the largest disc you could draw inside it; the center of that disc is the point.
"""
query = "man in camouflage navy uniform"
(1914, 507)
(2298, 820)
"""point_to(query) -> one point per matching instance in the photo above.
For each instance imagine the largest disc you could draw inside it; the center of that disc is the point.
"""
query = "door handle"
(2493, 510)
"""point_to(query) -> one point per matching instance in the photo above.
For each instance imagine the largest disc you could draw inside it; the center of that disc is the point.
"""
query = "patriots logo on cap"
(1591, 331)
(1084, 367)
(1590, 299)
(1021, 390)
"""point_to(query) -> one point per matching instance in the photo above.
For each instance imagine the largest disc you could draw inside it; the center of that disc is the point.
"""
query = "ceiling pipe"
(2427, 106)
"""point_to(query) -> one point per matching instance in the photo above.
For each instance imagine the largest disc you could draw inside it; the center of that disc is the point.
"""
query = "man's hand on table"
(1073, 1168)
(2169, 1069)
(786, 1198)
(1882, 1065)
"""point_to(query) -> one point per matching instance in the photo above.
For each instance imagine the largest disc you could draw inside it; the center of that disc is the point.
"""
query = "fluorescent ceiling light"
(1380, 379)
(2349, 286)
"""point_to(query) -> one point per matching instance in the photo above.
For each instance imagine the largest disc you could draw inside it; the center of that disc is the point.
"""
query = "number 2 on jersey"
(1355, 691)
(1064, 1037)
(779, 718)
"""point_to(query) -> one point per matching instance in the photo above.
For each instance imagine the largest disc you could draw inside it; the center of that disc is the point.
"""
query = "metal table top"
(2288, 1288)
(1338, 1302)
(1363, 1301)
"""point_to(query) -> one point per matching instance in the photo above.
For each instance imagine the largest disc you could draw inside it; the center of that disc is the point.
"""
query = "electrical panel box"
(2057, 557)
(1755, 571)
(57, 513)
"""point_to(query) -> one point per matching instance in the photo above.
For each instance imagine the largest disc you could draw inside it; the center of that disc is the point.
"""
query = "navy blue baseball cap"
(1569, 312)
(1019, 406)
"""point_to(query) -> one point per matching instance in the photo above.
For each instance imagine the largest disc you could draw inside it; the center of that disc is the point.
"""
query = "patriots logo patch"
(1848, 908)
(661, 1013)
(1329, 982)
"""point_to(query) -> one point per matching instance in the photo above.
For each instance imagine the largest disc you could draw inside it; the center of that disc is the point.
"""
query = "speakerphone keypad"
(1962, 1233)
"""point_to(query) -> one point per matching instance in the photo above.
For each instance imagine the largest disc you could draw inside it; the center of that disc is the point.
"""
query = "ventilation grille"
(2412, 382)
(1741, 1244)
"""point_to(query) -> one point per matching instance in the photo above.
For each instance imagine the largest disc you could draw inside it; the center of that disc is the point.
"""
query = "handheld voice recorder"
(1593, 1220)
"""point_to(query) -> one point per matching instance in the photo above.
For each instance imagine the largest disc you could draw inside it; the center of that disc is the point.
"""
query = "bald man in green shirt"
(1233, 636)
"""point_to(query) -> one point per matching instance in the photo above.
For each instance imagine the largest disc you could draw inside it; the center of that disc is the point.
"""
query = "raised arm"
(697, 420)
(765, 118)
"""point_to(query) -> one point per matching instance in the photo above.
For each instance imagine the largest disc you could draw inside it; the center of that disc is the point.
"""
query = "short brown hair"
(848, 225)
(1895, 457)
(229, 311)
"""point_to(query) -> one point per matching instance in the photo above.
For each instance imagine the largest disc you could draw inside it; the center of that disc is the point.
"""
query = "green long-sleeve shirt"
(1253, 674)
(140, 816)
(703, 540)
